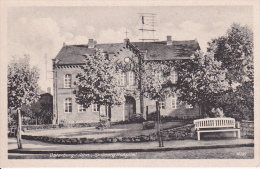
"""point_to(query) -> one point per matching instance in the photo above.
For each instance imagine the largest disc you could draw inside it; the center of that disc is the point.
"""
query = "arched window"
(68, 105)
(131, 78)
(67, 81)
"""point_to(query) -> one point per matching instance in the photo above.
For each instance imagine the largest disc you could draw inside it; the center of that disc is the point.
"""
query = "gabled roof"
(162, 51)
(74, 54)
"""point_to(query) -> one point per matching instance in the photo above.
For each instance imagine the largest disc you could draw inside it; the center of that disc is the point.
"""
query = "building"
(67, 63)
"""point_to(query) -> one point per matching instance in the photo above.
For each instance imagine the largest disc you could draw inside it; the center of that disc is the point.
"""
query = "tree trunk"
(19, 129)
(159, 134)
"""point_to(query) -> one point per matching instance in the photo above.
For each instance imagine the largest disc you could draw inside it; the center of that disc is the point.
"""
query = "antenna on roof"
(148, 24)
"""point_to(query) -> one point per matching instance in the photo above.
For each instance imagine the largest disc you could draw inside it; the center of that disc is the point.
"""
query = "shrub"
(137, 118)
(148, 125)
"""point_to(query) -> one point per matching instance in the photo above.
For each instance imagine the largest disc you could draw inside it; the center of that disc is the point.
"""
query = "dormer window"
(67, 81)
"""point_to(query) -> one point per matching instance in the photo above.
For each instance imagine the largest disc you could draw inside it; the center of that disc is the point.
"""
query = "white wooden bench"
(225, 124)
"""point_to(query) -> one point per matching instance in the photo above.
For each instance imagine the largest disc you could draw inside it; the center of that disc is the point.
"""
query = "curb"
(127, 150)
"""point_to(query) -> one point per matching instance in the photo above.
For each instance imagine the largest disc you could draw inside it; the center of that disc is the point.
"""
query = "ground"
(219, 153)
(121, 130)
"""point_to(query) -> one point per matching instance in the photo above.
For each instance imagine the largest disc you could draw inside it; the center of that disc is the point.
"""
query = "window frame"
(162, 104)
(68, 105)
(174, 76)
(81, 109)
(67, 81)
(122, 79)
(131, 78)
(158, 74)
(95, 108)
(175, 99)
(188, 106)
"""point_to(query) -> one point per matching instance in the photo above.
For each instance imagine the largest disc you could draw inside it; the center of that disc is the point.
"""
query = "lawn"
(120, 130)
(137, 128)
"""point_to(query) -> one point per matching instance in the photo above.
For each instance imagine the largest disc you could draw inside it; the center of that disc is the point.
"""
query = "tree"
(98, 84)
(22, 87)
(202, 81)
(235, 51)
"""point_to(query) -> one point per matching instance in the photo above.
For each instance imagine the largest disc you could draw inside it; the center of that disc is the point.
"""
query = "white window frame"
(68, 105)
(131, 78)
(174, 76)
(122, 79)
(95, 107)
(174, 102)
(162, 104)
(81, 109)
(158, 74)
(67, 81)
(188, 106)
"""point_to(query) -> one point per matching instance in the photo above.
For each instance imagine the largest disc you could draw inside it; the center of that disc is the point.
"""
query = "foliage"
(203, 81)
(137, 118)
(148, 125)
(235, 51)
(155, 87)
(22, 83)
(98, 83)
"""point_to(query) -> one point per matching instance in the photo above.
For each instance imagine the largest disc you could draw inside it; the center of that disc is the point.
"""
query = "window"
(68, 105)
(162, 104)
(122, 79)
(174, 76)
(158, 74)
(81, 109)
(95, 107)
(67, 81)
(188, 106)
(131, 78)
(174, 102)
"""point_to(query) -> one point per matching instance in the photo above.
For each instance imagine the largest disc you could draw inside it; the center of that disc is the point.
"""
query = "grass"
(120, 130)
(136, 129)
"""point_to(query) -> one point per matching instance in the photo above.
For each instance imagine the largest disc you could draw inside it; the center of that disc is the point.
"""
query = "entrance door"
(129, 107)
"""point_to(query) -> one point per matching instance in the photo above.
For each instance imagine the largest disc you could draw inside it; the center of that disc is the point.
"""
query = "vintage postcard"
(129, 84)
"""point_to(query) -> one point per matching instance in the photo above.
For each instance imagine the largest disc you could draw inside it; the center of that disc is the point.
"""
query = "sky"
(41, 31)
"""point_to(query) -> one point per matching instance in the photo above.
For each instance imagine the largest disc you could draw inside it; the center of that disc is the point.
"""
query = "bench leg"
(238, 134)
(198, 134)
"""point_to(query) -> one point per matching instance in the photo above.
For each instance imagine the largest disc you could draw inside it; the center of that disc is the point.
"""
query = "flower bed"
(184, 132)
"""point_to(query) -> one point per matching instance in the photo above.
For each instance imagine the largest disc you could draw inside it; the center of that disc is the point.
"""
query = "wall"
(181, 111)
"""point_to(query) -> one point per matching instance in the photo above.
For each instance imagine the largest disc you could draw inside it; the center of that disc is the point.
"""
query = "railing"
(214, 123)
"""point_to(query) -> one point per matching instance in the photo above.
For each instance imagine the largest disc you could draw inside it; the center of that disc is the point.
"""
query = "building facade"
(67, 64)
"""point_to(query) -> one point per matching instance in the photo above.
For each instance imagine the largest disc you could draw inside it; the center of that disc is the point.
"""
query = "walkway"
(39, 147)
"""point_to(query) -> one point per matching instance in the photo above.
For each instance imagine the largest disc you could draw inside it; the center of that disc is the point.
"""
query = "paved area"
(42, 147)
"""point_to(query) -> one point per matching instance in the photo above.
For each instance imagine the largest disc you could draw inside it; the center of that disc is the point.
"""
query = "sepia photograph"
(173, 82)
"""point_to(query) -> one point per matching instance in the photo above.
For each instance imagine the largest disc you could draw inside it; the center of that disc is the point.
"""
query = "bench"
(216, 125)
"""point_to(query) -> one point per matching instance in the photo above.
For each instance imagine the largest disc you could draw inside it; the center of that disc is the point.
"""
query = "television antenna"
(148, 26)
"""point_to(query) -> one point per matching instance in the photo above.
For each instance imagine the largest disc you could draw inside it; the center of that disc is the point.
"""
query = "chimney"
(125, 41)
(91, 43)
(64, 44)
(49, 90)
(169, 40)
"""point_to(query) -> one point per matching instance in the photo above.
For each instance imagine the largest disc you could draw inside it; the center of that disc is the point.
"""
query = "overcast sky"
(40, 31)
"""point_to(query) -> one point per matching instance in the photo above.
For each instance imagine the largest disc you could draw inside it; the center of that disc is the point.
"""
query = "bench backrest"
(214, 123)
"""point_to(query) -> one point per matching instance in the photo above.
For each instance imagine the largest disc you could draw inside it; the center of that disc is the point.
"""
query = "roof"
(74, 54)
(162, 51)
